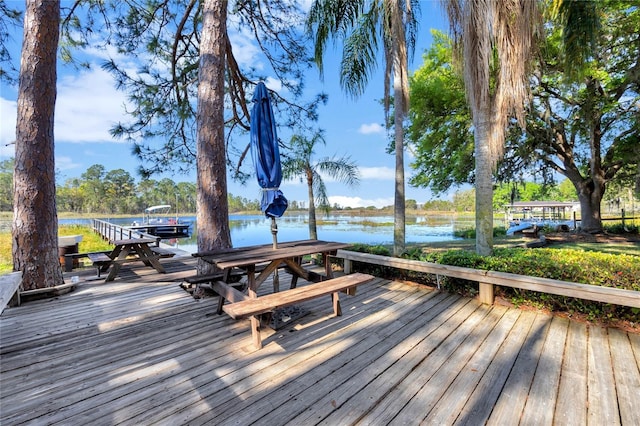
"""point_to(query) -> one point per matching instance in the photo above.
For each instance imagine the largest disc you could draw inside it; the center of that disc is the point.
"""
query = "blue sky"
(88, 105)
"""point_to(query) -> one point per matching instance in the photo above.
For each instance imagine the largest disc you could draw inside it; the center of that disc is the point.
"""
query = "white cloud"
(371, 128)
(245, 50)
(376, 173)
(88, 105)
(273, 84)
(65, 163)
(7, 127)
(355, 202)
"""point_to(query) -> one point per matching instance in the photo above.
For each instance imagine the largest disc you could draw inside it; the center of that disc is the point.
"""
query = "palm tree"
(299, 163)
(362, 24)
(494, 41)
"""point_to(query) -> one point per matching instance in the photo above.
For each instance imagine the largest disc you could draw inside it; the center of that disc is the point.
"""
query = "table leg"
(337, 309)
(294, 276)
(327, 265)
(251, 281)
(255, 332)
(115, 265)
(253, 293)
(225, 277)
(144, 252)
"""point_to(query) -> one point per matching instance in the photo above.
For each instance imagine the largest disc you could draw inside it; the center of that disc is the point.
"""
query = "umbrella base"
(284, 316)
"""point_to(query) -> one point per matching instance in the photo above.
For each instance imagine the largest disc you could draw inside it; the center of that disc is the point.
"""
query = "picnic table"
(290, 255)
(126, 251)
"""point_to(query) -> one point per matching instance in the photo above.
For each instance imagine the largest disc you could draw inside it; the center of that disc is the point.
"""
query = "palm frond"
(581, 25)
(341, 169)
(359, 54)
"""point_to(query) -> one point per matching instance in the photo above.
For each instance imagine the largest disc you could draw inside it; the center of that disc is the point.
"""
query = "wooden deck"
(140, 351)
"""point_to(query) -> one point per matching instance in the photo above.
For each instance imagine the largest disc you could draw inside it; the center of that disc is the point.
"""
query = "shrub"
(470, 233)
(586, 267)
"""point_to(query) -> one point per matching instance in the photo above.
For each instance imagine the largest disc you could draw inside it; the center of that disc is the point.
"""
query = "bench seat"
(100, 260)
(162, 252)
(263, 304)
(70, 257)
(99, 257)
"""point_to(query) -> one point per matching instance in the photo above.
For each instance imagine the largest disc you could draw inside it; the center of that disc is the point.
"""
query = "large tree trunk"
(35, 220)
(399, 221)
(484, 186)
(212, 204)
(590, 195)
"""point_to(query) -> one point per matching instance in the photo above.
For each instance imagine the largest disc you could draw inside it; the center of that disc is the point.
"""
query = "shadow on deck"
(141, 350)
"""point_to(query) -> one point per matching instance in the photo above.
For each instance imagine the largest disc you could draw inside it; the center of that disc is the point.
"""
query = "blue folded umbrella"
(266, 154)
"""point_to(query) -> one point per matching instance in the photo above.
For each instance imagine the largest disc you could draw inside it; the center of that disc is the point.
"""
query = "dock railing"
(111, 231)
(487, 279)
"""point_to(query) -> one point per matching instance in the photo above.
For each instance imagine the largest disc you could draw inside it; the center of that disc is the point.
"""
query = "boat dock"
(110, 231)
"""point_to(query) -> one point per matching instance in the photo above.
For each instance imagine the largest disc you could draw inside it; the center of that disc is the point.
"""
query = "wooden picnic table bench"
(126, 251)
(99, 259)
(244, 306)
(289, 255)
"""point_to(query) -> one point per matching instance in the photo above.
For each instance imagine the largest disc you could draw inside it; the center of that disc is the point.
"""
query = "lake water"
(249, 230)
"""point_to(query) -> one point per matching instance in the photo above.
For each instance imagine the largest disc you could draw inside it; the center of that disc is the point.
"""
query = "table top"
(251, 255)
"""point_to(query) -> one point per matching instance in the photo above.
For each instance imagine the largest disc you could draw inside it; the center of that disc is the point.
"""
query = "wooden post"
(255, 332)
(347, 266)
(486, 294)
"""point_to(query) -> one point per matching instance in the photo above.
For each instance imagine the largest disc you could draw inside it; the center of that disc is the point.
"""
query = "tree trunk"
(399, 228)
(590, 195)
(484, 187)
(313, 227)
(35, 220)
(212, 205)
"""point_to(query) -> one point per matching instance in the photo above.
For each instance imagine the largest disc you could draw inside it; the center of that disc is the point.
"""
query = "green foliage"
(443, 137)
(594, 268)
(99, 191)
(6, 184)
(621, 229)
(562, 120)
(162, 91)
(470, 233)
(91, 241)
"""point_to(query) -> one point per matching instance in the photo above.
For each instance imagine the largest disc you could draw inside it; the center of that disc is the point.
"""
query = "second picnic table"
(132, 250)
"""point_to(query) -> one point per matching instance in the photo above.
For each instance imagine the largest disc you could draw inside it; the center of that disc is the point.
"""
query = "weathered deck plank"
(627, 376)
(139, 351)
(602, 402)
(541, 401)
(571, 406)
(514, 393)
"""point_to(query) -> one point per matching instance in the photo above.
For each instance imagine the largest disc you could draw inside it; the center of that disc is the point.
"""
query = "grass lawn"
(90, 242)
(605, 244)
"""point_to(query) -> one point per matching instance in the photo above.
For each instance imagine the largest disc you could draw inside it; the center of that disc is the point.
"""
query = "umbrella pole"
(274, 232)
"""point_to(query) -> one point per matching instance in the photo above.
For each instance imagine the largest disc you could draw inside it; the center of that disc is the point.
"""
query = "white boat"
(555, 225)
(156, 221)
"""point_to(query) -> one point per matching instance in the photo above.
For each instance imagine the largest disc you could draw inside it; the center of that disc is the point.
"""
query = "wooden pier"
(141, 350)
(110, 231)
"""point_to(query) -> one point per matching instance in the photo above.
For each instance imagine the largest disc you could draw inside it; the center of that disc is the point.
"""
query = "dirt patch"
(583, 237)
